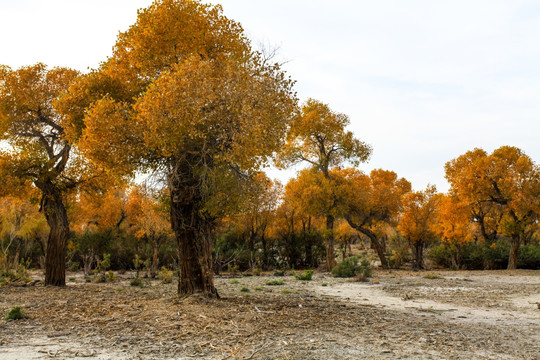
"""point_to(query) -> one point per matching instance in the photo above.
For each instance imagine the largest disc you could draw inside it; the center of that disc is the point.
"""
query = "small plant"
(349, 267)
(102, 266)
(324, 284)
(110, 276)
(165, 275)
(275, 282)
(72, 279)
(257, 271)
(244, 289)
(279, 273)
(306, 276)
(258, 288)
(15, 314)
(137, 262)
(234, 281)
(288, 291)
(136, 282)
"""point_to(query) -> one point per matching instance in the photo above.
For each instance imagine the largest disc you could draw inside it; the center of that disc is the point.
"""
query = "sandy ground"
(406, 315)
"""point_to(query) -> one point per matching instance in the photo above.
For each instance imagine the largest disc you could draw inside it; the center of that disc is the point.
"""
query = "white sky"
(422, 81)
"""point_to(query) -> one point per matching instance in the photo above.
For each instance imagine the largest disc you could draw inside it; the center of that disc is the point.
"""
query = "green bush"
(136, 282)
(275, 282)
(15, 314)
(477, 256)
(165, 275)
(279, 273)
(306, 276)
(441, 256)
(496, 255)
(347, 268)
(529, 257)
(244, 289)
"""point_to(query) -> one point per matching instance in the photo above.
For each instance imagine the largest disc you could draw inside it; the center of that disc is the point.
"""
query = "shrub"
(529, 257)
(136, 282)
(347, 268)
(244, 289)
(15, 314)
(279, 273)
(440, 255)
(165, 275)
(275, 282)
(306, 276)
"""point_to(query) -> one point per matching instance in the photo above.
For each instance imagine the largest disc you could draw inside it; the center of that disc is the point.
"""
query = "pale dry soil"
(406, 315)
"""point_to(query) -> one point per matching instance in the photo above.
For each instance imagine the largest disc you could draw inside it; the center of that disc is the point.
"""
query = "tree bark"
(374, 241)
(193, 234)
(330, 256)
(419, 255)
(55, 252)
(514, 251)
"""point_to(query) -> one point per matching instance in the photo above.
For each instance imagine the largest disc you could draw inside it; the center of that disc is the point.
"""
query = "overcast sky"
(422, 81)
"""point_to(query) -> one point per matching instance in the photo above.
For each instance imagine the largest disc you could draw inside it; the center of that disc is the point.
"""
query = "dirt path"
(455, 302)
(446, 315)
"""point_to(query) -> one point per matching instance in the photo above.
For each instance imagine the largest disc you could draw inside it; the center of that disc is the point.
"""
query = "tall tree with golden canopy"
(185, 96)
(319, 137)
(38, 151)
(505, 185)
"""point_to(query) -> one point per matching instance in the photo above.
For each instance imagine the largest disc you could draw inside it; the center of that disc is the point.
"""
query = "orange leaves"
(318, 136)
(168, 32)
(146, 216)
(501, 190)
(109, 136)
(454, 222)
(418, 221)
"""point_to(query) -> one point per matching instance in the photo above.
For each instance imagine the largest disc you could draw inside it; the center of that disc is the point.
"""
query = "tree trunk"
(330, 256)
(374, 241)
(419, 255)
(514, 251)
(155, 257)
(193, 234)
(55, 253)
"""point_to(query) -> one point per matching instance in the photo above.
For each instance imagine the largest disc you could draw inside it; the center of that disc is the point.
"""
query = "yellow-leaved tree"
(419, 220)
(185, 96)
(318, 136)
(38, 152)
(501, 191)
(373, 200)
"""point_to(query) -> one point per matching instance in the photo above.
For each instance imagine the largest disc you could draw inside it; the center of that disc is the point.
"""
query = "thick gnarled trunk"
(193, 233)
(55, 252)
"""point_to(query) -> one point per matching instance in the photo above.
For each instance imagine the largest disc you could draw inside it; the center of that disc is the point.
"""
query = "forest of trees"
(187, 103)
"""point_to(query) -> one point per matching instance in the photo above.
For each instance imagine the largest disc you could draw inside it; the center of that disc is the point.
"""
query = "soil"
(395, 315)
